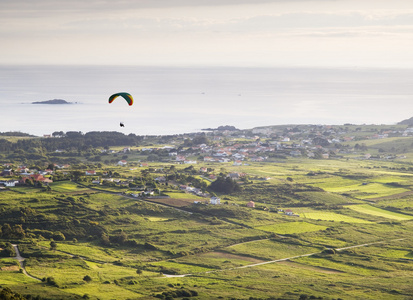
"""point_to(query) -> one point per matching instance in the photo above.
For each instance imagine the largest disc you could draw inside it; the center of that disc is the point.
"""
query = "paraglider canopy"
(126, 96)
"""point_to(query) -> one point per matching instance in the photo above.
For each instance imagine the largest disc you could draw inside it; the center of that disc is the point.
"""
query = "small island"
(54, 101)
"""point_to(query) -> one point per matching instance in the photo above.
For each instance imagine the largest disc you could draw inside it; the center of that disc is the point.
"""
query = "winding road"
(20, 259)
(284, 259)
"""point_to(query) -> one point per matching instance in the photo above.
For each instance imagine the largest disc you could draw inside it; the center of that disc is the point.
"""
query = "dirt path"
(20, 259)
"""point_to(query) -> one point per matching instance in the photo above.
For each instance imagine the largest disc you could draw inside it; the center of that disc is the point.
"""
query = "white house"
(215, 201)
(122, 163)
(10, 183)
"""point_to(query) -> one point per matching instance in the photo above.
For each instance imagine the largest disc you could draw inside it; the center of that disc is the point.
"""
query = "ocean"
(173, 100)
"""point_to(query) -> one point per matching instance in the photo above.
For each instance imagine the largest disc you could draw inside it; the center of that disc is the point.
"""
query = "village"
(219, 148)
(173, 203)
(235, 147)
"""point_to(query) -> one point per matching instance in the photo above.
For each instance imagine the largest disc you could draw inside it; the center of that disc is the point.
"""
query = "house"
(35, 178)
(289, 212)
(215, 201)
(251, 204)
(224, 160)
(9, 183)
(180, 158)
(62, 166)
(160, 179)
(22, 170)
(90, 172)
(209, 159)
(295, 153)
(122, 163)
(237, 163)
(234, 176)
(46, 172)
(6, 173)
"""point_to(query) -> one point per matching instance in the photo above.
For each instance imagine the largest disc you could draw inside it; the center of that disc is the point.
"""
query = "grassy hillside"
(348, 234)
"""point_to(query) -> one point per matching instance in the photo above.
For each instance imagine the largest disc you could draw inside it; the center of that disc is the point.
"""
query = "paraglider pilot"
(126, 96)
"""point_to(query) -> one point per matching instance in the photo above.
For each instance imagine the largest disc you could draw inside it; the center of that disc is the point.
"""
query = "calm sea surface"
(180, 100)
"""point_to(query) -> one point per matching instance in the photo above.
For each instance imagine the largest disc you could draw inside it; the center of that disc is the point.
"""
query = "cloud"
(305, 23)
(201, 31)
(71, 5)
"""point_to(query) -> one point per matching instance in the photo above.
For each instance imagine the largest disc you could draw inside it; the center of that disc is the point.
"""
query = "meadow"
(375, 211)
(330, 216)
(291, 227)
(96, 242)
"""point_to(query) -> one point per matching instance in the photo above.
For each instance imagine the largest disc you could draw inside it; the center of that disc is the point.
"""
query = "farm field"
(291, 227)
(349, 236)
(375, 211)
(69, 187)
(330, 216)
(270, 249)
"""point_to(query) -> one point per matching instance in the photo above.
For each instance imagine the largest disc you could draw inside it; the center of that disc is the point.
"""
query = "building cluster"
(25, 174)
(311, 141)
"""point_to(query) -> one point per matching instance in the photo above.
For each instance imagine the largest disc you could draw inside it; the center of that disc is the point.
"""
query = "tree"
(87, 278)
(58, 236)
(224, 185)
(139, 271)
(76, 175)
(6, 231)
(105, 239)
(58, 134)
(8, 294)
(18, 231)
(53, 245)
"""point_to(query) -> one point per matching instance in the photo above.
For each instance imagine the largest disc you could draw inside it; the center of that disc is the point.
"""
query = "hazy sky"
(350, 33)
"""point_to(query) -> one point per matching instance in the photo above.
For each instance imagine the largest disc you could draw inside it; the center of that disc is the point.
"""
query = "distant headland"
(54, 101)
(222, 128)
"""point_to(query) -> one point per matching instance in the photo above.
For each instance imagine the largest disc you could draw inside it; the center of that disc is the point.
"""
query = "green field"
(331, 216)
(375, 211)
(351, 239)
(68, 187)
(270, 249)
(291, 227)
